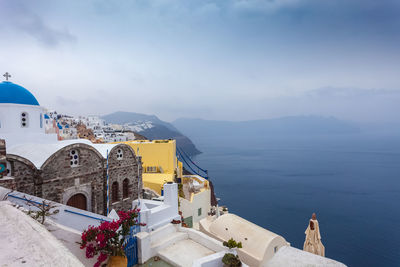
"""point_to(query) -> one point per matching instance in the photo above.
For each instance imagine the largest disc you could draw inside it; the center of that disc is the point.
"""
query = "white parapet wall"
(156, 214)
(213, 260)
(25, 242)
(259, 244)
(151, 243)
(71, 217)
(290, 256)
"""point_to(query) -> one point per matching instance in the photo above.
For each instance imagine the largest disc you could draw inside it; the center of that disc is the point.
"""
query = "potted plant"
(107, 239)
(230, 259)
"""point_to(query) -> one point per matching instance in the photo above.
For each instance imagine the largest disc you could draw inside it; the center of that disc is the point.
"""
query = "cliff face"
(152, 127)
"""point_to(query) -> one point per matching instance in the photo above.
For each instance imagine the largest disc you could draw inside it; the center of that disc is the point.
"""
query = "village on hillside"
(80, 192)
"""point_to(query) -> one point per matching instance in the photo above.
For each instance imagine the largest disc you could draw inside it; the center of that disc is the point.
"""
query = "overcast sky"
(222, 59)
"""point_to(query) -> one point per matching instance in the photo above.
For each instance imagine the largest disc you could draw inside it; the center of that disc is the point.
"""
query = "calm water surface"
(351, 182)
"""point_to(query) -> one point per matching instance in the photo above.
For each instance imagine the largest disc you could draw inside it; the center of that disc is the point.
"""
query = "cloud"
(262, 6)
(330, 92)
(223, 53)
(18, 16)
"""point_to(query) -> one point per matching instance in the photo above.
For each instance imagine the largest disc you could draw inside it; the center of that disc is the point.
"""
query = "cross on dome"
(7, 75)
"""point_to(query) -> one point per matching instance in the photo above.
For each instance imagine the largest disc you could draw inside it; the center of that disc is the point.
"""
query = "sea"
(352, 183)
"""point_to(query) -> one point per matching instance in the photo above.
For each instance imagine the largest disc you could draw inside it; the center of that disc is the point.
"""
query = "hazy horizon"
(225, 60)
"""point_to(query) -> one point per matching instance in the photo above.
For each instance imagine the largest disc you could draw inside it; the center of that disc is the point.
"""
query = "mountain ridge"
(155, 128)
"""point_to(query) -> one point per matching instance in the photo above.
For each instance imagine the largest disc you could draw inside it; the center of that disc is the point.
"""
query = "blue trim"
(81, 214)
(27, 200)
(70, 211)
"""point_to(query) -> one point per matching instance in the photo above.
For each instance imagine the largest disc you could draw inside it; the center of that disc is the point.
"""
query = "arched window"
(24, 119)
(74, 158)
(125, 188)
(114, 192)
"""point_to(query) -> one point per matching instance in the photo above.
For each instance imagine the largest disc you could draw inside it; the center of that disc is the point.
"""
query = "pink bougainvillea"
(108, 238)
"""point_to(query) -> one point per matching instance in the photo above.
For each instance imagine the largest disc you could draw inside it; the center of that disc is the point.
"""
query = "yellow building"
(160, 164)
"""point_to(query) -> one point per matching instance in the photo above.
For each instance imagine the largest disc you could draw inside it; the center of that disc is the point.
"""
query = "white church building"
(72, 172)
(21, 117)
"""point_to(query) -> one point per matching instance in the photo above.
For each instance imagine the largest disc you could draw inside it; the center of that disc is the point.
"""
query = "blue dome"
(14, 94)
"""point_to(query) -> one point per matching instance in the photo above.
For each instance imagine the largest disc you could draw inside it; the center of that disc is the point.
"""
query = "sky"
(222, 59)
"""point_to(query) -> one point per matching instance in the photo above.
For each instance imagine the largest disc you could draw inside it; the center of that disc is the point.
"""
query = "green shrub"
(231, 260)
(232, 244)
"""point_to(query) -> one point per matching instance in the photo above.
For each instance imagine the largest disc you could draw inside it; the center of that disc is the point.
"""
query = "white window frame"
(120, 154)
(74, 158)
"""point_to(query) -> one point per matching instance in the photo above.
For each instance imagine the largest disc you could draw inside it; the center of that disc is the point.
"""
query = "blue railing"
(188, 162)
(27, 200)
(85, 215)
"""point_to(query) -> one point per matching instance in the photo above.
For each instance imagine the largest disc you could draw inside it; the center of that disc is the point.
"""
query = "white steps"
(184, 252)
(168, 240)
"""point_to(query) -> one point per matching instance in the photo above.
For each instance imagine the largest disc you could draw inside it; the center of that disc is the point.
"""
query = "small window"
(275, 249)
(120, 154)
(151, 169)
(41, 120)
(125, 188)
(24, 120)
(114, 192)
(199, 212)
(74, 158)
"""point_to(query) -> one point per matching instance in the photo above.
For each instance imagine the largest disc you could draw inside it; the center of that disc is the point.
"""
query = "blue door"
(131, 250)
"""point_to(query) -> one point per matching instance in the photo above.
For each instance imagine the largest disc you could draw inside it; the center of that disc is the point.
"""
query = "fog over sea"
(352, 182)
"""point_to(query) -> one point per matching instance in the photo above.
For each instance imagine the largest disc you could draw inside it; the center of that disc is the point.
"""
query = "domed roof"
(14, 94)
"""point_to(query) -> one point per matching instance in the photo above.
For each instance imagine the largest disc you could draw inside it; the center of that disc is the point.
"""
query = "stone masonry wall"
(58, 176)
(121, 169)
(26, 176)
(57, 180)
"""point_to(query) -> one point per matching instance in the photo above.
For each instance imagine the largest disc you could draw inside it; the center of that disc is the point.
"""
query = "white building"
(21, 117)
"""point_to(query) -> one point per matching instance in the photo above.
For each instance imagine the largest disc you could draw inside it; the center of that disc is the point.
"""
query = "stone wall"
(121, 169)
(8, 183)
(58, 181)
(25, 174)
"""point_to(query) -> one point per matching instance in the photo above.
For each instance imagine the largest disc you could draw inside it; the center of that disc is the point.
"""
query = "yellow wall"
(155, 181)
(160, 154)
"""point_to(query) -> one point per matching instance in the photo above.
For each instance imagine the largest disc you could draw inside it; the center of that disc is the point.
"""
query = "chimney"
(171, 194)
